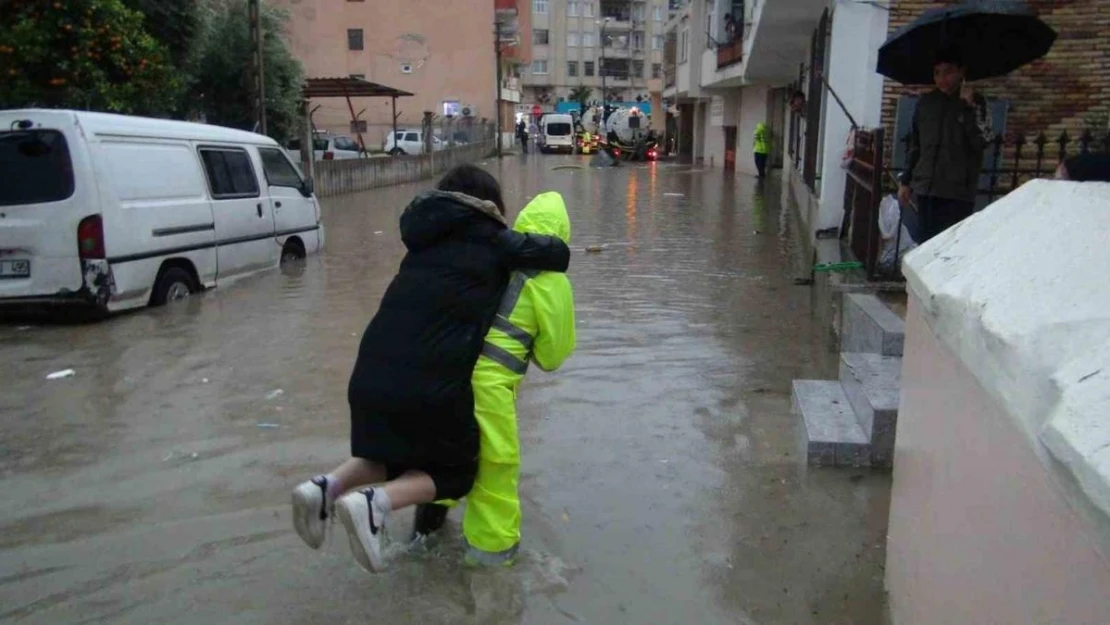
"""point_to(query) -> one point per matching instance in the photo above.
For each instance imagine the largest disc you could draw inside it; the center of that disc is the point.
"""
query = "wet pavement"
(662, 479)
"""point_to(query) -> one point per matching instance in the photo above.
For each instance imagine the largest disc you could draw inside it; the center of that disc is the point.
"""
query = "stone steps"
(852, 421)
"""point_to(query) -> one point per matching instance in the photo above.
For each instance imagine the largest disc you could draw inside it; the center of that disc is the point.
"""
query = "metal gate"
(862, 194)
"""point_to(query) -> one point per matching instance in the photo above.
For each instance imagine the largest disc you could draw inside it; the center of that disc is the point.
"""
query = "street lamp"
(601, 68)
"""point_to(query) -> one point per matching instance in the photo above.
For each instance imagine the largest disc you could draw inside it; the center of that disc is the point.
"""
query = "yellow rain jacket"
(762, 139)
(534, 324)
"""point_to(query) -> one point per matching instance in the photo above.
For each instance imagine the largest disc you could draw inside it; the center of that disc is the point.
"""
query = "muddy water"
(662, 481)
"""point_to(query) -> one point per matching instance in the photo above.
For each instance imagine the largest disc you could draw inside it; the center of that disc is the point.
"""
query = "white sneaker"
(311, 510)
(364, 519)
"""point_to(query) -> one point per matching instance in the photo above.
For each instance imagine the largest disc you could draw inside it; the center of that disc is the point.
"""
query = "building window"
(572, 40)
(539, 66)
(354, 38)
(588, 68)
(684, 46)
(539, 7)
(657, 13)
(539, 37)
(637, 40)
(572, 8)
(572, 68)
(657, 42)
(637, 69)
(656, 70)
(588, 8)
(588, 40)
(638, 11)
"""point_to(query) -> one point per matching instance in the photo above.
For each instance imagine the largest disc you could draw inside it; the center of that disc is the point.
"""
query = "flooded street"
(662, 479)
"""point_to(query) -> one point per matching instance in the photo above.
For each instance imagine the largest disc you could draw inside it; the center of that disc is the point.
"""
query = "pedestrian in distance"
(414, 438)
(761, 145)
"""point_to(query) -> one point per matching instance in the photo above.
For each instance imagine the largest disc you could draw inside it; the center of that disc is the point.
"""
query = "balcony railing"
(730, 53)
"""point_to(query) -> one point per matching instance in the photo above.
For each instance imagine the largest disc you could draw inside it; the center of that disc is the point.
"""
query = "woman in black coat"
(412, 406)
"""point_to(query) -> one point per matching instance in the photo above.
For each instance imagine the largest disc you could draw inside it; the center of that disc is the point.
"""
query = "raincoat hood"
(545, 214)
(434, 215)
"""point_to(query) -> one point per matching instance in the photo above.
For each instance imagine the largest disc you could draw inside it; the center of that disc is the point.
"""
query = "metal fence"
(1017, 159)
(451, 131)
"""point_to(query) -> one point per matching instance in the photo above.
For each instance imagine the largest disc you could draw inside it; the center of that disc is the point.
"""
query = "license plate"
(15, 268)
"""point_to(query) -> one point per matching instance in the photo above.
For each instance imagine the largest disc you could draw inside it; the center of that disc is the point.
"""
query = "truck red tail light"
(90, 238)
(328, 156)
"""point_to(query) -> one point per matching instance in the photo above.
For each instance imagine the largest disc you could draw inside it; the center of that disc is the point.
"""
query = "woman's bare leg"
(412, 488)
(353, 473)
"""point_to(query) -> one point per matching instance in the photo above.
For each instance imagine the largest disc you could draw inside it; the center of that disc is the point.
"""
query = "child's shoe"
(311, 510)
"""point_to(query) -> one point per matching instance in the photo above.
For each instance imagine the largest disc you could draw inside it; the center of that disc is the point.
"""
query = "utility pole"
(497, 98)
(254, 11)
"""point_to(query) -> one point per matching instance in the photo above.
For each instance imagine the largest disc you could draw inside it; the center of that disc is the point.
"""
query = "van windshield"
(35, 167)
(558, 129)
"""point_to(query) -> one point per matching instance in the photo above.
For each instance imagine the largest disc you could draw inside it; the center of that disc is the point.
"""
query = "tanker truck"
(626, 136)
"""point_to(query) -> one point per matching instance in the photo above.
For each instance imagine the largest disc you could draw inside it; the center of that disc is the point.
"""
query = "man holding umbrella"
(946, 46)
(951, 129)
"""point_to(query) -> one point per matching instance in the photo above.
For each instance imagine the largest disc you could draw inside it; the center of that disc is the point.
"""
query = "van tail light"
(90, 238)
(328, 156)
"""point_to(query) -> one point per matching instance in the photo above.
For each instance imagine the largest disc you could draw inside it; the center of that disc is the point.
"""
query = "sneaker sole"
(358, 534)
(305, 512)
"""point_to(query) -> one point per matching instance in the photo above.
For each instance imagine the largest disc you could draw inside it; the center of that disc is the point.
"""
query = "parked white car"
(326, 148)
(408, 141)
(112, 212)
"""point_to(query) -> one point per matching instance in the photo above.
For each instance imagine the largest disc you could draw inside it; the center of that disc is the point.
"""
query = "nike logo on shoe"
(370, 512)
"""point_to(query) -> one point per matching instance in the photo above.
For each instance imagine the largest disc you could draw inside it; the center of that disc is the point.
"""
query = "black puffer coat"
(410, 394)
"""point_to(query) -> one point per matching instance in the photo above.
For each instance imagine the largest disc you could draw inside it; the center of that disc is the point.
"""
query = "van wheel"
(174, 284)
(293, 250)
(396, 152)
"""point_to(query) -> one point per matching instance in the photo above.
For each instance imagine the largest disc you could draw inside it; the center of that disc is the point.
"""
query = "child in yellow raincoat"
(535, 323)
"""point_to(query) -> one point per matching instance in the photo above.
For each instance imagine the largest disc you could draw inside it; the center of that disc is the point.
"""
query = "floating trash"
(674, 195)
(64, 373)
(269, 426)
(274, 394)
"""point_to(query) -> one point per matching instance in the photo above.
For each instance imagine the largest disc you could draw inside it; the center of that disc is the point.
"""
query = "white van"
(115, 212)
(557, 133)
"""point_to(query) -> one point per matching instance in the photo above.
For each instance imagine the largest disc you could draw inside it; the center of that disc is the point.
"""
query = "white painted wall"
(857, 32)
(1000, 504)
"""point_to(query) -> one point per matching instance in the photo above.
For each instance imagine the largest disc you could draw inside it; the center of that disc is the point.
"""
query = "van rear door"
(46, 189)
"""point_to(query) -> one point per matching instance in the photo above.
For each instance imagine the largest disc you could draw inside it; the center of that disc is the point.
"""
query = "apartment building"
(594, 44)
(442, 52)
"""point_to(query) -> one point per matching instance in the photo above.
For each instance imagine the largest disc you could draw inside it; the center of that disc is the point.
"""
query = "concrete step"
(868, 326)
(832, 436)
(871, 383)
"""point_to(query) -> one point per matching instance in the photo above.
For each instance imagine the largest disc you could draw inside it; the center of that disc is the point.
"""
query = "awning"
(350, 88)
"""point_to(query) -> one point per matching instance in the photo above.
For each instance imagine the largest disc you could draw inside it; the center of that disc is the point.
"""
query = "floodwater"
(662, 480)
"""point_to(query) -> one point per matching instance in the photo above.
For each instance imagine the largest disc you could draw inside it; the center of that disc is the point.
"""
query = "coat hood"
(545, 214)
(433, 215)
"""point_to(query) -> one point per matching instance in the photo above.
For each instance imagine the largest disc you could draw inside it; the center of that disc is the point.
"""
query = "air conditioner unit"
(467, 110)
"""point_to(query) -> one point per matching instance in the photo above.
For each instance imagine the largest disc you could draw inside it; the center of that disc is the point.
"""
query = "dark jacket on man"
(410, 393)
(946, 147)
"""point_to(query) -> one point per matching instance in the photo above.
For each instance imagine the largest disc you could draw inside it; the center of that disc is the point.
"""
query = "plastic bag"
(890, 218)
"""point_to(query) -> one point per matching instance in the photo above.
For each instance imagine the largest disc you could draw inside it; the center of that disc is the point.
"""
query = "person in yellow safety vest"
(535, 323)
(761, 147)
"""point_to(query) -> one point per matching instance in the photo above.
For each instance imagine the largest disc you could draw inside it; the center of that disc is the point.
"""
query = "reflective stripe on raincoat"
(534, 324)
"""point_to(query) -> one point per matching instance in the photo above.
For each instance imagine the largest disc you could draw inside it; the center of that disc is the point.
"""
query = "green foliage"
(581, 95)
(221, 85)
(86, 54)
(176, 23)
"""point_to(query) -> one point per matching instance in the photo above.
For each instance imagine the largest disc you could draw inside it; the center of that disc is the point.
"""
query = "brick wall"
(1068, 89)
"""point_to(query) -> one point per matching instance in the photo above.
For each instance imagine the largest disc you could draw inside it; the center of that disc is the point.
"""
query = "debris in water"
(594, 249)
(558, 167)
(64, 373)
(566, 517)
(194, 456)
(269, 426)
(167, 458)
(674, 195)
(377, 232)
(204, 380)
(274, 394)
(22, 328)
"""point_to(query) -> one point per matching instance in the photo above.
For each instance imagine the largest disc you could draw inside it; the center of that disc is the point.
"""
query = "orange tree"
(86, 54)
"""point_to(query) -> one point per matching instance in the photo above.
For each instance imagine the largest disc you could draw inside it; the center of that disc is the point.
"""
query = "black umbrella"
(994, 37)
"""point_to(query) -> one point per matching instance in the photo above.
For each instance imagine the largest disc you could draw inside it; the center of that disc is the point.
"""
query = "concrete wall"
(348, 176)
(1000, 507)
(858, 30)
(753, 110)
